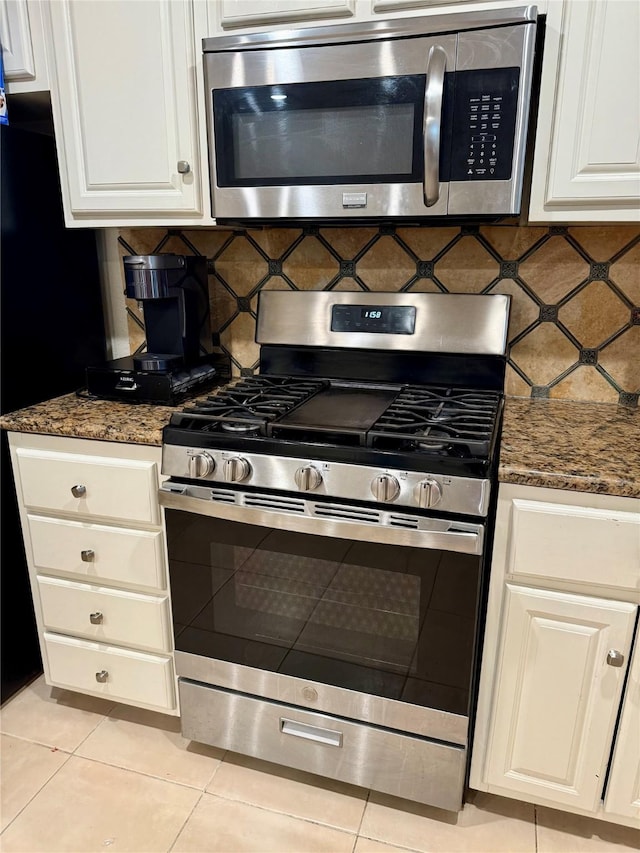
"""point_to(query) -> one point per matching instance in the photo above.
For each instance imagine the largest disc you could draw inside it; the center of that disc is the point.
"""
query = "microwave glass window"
(368, 130)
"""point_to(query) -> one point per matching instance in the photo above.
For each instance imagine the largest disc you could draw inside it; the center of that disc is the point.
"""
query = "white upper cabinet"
(587, 152)
(23, 50)
(125, 105)
(231, 14)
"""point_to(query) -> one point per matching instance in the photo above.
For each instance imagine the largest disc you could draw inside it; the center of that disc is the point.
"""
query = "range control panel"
(484, 122)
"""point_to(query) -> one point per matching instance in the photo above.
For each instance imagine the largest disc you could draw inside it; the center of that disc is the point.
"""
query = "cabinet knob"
(183, 167)
(87, 555)
(615, 658)
(78, 491)
(96, 618)
(102, 676)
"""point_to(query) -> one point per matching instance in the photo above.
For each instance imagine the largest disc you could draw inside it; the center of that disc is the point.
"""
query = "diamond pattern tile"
(585, 278)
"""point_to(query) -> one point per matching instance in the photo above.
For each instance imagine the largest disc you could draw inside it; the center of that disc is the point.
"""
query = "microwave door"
(355, 131)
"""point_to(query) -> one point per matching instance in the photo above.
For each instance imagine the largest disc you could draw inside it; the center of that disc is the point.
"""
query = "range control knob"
(200, 465)
(385, 487)
(307, 478)
(236, 469)
(427, 493)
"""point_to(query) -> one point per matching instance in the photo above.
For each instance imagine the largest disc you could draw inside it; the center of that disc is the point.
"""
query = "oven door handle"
(434, 533)
(433, 95)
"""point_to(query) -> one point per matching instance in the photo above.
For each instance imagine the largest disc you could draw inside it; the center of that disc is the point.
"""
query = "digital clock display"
(381, 319)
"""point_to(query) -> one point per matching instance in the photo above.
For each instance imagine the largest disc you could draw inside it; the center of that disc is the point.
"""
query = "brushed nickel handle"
(436, 66)
(183, 167)
(78, 491)
(96, 618)
(615, 658)
(87, 555)
(102, 676)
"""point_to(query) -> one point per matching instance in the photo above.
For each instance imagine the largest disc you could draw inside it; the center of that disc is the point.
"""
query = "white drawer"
(98, 553)
(134, 678)
(122, 489)
(105, 615)
(575, 543)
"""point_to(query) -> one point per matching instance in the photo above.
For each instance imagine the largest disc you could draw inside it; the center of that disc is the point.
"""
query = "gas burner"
(239, 427)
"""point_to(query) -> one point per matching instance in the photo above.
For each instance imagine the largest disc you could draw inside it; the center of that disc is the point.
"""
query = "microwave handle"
(436, 65)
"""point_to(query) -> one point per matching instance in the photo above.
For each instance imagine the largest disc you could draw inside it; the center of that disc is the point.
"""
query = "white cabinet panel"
(122, 489)
(242, 13)
(557, 697)
(587, 156)
(98, 553)
(623, 789)
(15, 37)
(124, 105)
(105, 615)
(118, 674)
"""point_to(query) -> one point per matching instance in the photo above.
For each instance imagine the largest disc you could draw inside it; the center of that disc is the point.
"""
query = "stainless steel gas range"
(329, 523)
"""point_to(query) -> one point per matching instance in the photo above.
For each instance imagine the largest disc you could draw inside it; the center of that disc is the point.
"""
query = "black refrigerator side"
(51, 327)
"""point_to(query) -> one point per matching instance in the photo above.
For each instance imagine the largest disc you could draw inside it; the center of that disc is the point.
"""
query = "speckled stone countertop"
(584, 447)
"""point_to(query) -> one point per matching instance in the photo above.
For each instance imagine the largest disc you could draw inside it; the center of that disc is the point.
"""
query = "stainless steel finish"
(307, 478)
(315, 733)
(325, 698)
(385, 487)
(201, 465)
(102, 676)
(615, 658)
(340, 480)
(235, 469)
(183, 167)
(479, 50)
(445, 322)
(325, 519)
(96, 618)
(392, 762)
(373, 30)
(78, 491)
(436, 67)
(87, 556)
(428, 493)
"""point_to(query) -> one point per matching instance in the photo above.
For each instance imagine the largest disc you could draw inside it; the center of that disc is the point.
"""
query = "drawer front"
(575, 543)
(105, 615)
(98, 553)
(121, 489)
(131, 677)
(380, 759)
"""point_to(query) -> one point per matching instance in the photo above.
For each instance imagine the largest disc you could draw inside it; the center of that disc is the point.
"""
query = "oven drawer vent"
(406, 521)
(348, 513)
(222, 495)
(275, 502)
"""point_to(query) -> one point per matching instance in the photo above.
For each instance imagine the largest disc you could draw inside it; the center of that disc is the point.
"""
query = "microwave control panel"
(484, 122)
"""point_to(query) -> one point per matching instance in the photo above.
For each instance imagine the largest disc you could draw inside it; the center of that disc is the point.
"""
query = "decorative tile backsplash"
(574, 331)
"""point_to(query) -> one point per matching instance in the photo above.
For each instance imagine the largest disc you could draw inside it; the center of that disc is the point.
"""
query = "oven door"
(423, 126)
(344, 620)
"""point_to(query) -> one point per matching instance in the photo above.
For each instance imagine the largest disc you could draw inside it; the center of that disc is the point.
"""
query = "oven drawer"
(98, 553)
(118, 674)
(107, 615)
(120, 489)
(402, 765)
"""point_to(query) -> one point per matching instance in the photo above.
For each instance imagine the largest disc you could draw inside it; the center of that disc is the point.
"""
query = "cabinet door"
(256, 13)
(587, 157)
(124, 102)
(557, 696)
(623, 789)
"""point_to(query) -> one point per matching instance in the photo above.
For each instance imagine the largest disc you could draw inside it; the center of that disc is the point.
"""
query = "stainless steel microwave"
(405, 119)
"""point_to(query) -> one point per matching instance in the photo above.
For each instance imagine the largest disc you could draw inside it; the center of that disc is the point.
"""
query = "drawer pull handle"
(87, 556)
(102, 676)
(96, 618)
(78, 491)
(316, 733)
(615, 658)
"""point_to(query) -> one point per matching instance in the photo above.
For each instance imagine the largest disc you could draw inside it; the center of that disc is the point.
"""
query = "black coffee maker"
(178, 361)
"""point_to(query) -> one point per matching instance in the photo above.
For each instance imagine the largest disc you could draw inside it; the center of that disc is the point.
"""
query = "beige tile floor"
(82, 774)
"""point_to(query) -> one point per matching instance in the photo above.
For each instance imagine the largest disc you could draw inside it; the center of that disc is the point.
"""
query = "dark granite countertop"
(584, 447)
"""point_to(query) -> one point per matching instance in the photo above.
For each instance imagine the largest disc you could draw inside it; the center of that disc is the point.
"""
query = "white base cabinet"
(560, 633)
(96, 553)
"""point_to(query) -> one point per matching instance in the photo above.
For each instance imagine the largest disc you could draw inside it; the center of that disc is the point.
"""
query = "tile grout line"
(186, 821)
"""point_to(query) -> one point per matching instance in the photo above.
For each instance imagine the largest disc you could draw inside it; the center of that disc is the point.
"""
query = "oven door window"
(347, 132)
(388, 620)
